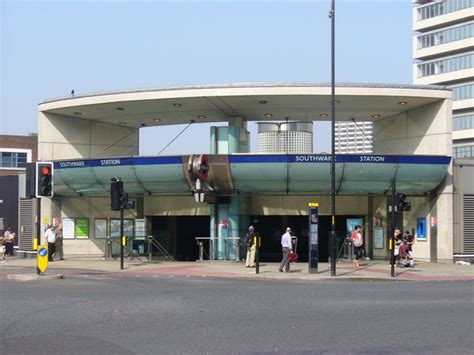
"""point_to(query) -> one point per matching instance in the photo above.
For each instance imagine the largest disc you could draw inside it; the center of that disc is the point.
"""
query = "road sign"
(42, 258)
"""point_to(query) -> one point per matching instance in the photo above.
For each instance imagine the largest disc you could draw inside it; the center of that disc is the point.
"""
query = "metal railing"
(136, 247)
(112, 248)
(229, 243)
(152, 242)
(347, 250)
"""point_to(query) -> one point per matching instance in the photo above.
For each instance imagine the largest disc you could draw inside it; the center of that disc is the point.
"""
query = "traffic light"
(116, 194)
(401, 203)
(30, 184)
(44, 179)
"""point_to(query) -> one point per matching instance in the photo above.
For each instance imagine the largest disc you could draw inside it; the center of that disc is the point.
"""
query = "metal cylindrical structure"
(291, 137)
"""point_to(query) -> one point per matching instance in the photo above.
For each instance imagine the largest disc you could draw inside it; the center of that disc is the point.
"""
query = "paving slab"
(369, 270)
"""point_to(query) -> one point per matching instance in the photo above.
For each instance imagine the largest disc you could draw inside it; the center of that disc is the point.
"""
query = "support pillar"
(225, 223)
(225, 218)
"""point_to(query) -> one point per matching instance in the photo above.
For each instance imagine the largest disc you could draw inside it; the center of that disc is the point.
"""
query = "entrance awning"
(255, 173)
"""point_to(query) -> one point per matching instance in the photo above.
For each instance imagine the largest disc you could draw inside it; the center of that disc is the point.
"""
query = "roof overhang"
(252, 102)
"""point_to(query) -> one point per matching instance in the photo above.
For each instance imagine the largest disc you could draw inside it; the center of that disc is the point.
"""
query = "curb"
(329, 279)
(34, 277)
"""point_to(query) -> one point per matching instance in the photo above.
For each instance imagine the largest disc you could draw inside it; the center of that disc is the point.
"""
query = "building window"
(447, 65)
(461, 122)
(464, 151)
(446, 36)
(441, 8)
(13, 159)
(463, 92)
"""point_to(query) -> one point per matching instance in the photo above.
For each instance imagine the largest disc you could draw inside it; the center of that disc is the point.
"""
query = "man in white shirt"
(287, 248)
(50, 237)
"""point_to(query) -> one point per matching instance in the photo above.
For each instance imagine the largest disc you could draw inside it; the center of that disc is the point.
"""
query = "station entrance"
(271, 229)
(177, 234)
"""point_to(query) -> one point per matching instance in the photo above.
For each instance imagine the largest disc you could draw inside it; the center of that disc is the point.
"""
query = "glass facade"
(463, 92)
(446, 65)
(464, 151)
(443, 7)
(445, 36)
(461, 122)
(13, 160)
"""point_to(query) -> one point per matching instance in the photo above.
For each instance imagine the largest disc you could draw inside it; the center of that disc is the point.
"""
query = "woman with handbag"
(8, 240)
(357, 239)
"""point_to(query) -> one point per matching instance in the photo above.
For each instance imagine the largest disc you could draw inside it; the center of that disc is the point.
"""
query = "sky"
(48, 48)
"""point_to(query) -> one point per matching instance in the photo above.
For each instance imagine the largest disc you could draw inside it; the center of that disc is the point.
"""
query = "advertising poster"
(82, 228)
(68, 228)
(351, 223)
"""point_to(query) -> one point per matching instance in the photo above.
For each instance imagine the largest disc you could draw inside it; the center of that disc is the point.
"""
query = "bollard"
(150, 246)
(237, 251)
(201, 251)
(257, 242)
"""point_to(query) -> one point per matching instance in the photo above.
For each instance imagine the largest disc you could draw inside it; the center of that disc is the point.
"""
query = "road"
(100, 313)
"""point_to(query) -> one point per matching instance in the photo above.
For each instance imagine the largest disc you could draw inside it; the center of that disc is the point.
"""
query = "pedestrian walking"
(58, 231)
(251, 247)
(51, 239)
(357, 238)
(398, 239)
(287, 248)
(8, 241)
(410, 240)
(2, 248)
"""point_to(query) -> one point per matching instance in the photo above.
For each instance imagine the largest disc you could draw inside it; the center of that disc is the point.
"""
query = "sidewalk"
(370, 269)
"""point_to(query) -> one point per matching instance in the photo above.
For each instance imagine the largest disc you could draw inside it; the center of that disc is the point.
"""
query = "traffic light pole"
(121, 237)
(392, 230)
(38, 229)
(333, 145)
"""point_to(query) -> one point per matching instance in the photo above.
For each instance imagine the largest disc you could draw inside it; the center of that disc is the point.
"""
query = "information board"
(313, 237)
(100, 228)
(378, 238)
(127, 228)
(140, 229)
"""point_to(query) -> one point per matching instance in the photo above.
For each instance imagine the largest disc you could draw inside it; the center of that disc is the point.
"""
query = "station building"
(93, 138)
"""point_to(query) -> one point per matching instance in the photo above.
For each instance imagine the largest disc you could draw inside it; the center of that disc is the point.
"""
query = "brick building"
(15, 152)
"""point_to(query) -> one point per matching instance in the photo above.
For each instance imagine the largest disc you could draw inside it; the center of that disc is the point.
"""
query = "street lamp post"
(332, 15)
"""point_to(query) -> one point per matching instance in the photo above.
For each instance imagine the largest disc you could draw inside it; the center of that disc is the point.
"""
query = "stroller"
(404, 256)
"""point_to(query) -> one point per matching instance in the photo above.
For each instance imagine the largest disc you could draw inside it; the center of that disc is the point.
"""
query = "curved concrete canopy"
(221, 103)
(256, 173)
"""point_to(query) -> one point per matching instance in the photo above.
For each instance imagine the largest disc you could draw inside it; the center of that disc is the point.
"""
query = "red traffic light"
(44, 179)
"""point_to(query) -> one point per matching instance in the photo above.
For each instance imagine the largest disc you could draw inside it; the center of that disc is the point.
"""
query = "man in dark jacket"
(250, 245)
